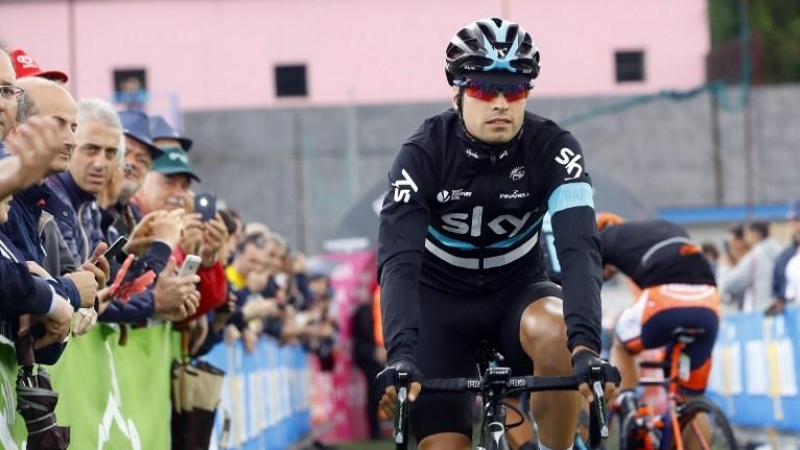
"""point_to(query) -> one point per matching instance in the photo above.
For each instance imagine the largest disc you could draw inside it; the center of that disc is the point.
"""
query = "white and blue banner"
(265, 396)
(755, 369)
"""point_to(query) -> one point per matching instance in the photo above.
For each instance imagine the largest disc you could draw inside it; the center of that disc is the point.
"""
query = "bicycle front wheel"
(704, 426)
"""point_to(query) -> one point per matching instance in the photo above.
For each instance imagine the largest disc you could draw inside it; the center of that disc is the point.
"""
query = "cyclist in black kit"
(458, 254)
(678, 291)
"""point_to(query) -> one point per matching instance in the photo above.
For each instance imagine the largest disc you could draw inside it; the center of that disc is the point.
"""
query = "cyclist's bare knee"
(542, 329)
(446, 441)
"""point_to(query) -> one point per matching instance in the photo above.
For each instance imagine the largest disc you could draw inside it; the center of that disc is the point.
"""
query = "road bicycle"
(493, 385)
(691, 424)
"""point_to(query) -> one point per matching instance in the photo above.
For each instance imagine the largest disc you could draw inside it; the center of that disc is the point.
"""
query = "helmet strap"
(459, 100)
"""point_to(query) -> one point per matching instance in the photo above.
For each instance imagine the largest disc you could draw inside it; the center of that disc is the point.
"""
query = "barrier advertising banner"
(756, 365)
(112, 397)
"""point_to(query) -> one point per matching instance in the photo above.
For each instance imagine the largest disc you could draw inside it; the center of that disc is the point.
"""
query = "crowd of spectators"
(755, 271)
(76, 175)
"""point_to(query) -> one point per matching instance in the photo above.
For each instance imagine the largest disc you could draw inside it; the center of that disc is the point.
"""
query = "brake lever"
(598, 428)
(401, 418)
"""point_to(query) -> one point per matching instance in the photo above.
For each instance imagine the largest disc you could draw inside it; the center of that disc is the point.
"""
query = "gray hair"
(26, 108)
(101, 111)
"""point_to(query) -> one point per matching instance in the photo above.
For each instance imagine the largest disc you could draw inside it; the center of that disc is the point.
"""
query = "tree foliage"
(776, 21)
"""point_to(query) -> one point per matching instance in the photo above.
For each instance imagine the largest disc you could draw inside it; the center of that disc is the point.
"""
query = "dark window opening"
(130, 86)
(630, 66)
(290, 81)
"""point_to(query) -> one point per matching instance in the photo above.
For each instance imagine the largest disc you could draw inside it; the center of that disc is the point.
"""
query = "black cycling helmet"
(491, 45)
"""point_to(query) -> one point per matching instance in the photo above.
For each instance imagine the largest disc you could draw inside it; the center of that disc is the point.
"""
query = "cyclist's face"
(495, 118)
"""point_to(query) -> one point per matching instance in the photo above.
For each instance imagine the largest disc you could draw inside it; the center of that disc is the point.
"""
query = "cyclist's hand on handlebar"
(388, 390)
(583, 360)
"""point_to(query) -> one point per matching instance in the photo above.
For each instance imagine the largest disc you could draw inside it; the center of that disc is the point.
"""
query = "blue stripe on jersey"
(511, 241)
(570, 195)
(450, 242)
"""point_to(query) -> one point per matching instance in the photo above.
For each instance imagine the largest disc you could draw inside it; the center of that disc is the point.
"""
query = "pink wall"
(221, 54)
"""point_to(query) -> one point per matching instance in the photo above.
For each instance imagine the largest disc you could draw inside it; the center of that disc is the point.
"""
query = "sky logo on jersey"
(403, 188)
(463, 223)
(472, 153)
(517, 173)
(449, 196)
(569, 160)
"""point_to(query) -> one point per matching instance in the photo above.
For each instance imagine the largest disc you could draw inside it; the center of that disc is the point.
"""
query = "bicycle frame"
(675, 398)
(493, 410)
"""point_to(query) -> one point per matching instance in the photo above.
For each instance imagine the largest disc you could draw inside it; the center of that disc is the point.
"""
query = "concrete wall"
(660, 150)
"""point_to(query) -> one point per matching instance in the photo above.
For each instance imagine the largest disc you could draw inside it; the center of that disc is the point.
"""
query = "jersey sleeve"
(609, 239)
(571, 205)
(403, 226)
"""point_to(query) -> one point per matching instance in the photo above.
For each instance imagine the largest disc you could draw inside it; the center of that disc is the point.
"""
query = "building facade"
(241, 54)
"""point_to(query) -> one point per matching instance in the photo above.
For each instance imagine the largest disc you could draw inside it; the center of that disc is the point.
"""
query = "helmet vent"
(511, 34)
(469, 40)
(488, 32)
(526, 46)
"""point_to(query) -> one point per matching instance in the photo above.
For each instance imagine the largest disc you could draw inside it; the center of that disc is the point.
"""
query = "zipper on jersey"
(486, 187)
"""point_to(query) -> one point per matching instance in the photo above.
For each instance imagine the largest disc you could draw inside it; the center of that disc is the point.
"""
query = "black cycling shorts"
(451, 326)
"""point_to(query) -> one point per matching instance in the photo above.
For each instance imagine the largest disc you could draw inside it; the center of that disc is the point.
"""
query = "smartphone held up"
(205, 203)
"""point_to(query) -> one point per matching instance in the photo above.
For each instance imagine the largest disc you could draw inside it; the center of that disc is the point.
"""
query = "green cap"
(174, 161)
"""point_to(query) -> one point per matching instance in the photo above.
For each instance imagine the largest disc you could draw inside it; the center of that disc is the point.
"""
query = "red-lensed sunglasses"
(487, 91)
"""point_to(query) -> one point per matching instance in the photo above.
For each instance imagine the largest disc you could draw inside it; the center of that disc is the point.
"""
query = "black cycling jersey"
(464, 217)
(655, 252)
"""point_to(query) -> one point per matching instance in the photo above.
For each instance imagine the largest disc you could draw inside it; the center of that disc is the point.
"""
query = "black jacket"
(464, 217)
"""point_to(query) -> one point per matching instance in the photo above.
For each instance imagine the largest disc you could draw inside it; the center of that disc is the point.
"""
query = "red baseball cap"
(25, 66)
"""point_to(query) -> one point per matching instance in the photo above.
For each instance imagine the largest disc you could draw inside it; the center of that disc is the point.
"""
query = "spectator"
(165, 188)
(139, 154)
(39, 138)
(235, 227)
(250, 258)
(736, 245)
(165, 136)
(248, 275)
(711, 253)
(367, 357)
(45, 98)
(166, 185)
(792, 292)
(781, 291)
(25, 66)
(22, 293)
(35, 144)
(11, 94)
(98, 145)
(735, 248)
(751, 277)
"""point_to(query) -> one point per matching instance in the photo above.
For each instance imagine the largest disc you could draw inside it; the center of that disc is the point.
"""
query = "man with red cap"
(26, 66)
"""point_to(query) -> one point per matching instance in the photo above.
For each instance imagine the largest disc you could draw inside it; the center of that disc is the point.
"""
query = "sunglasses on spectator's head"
(488, 91)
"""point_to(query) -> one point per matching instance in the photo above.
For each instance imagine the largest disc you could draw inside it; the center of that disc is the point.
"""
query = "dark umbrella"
(36, 402)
